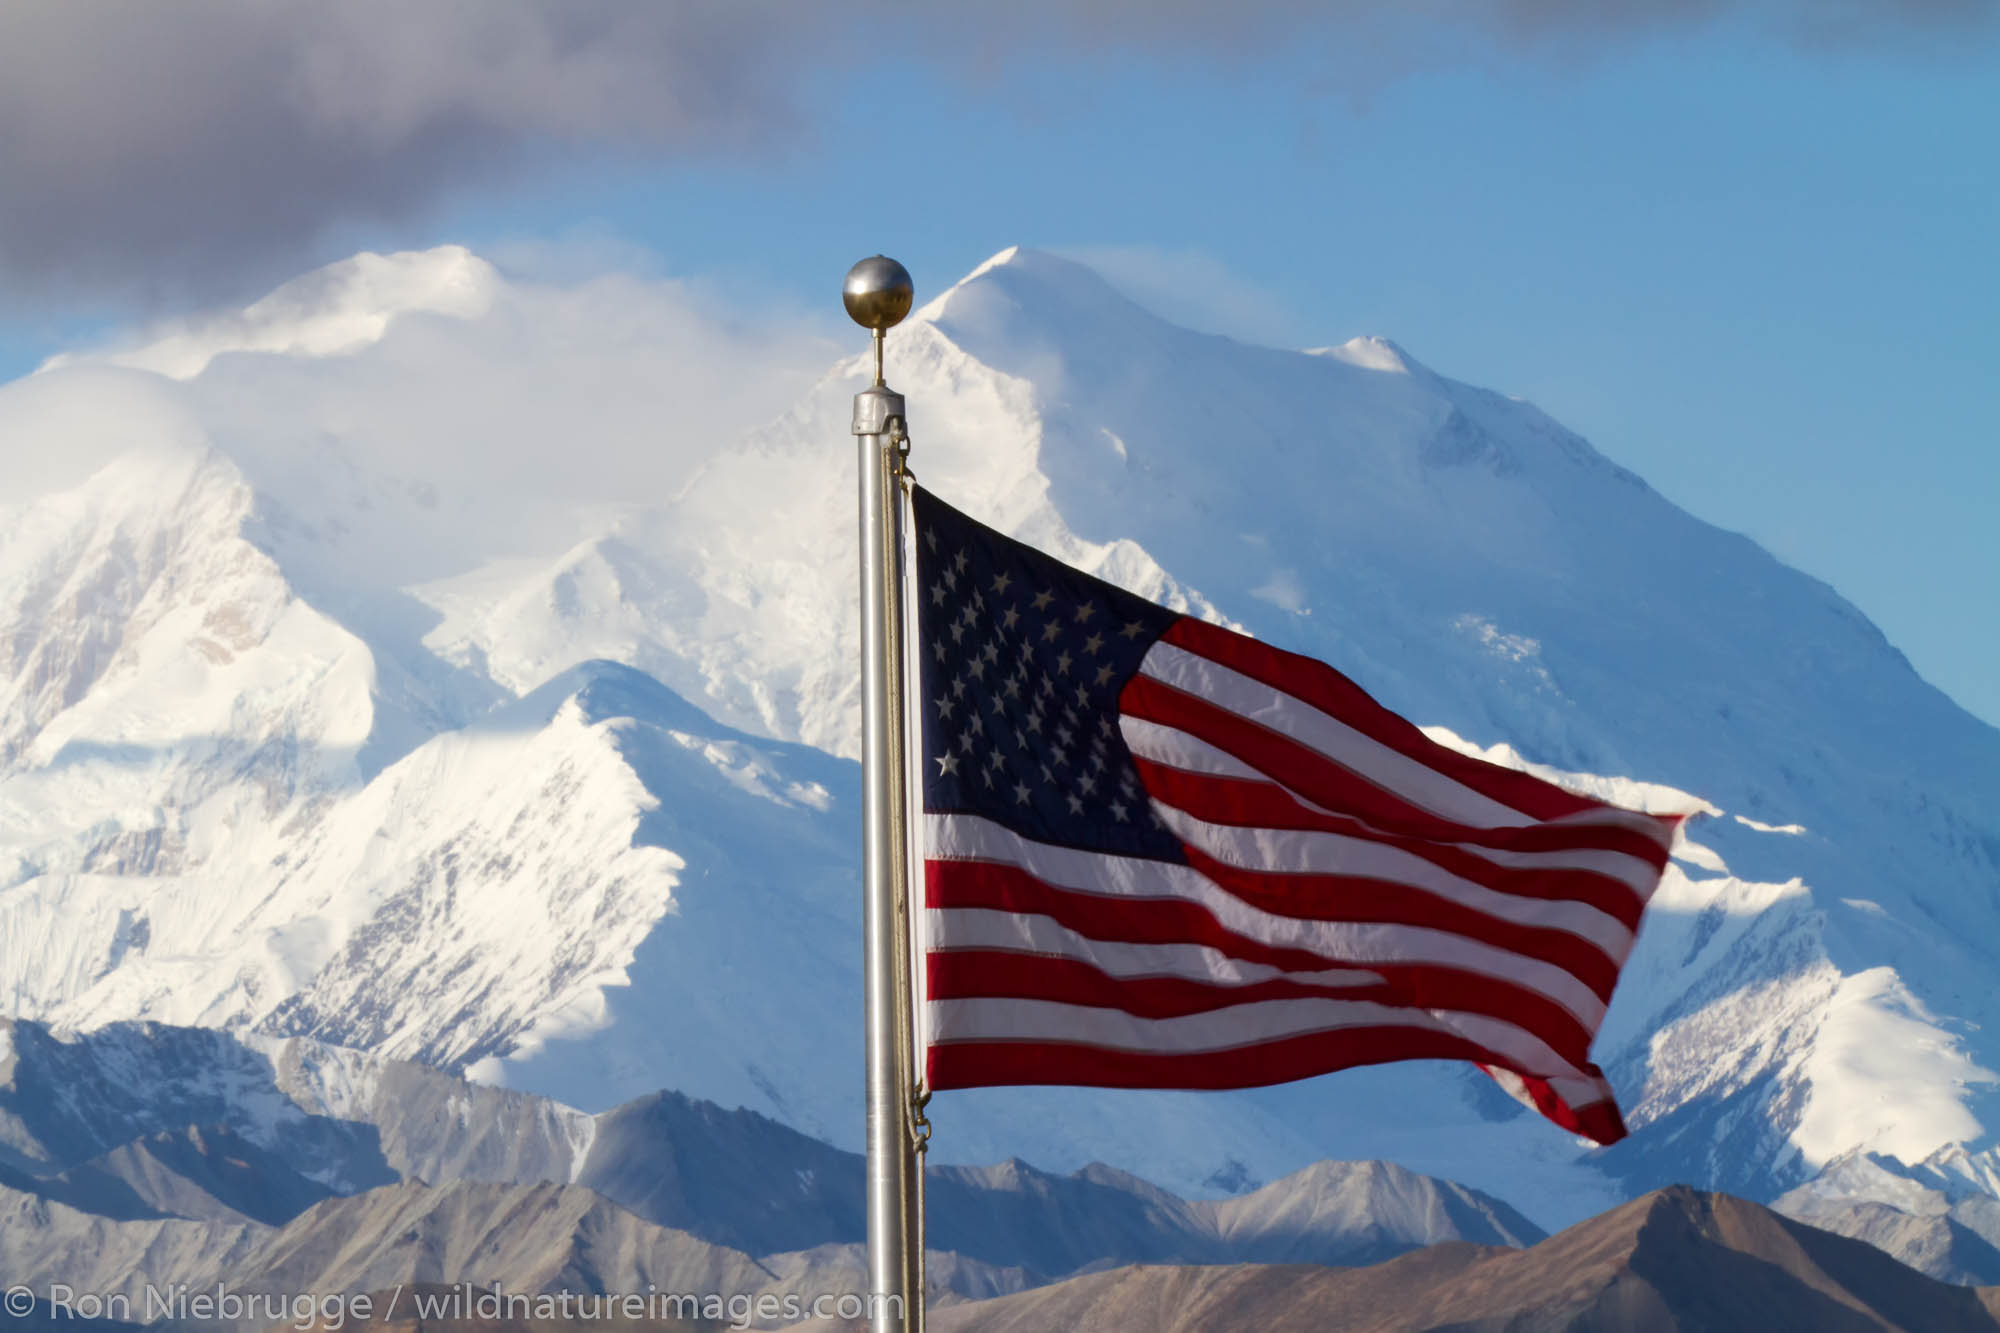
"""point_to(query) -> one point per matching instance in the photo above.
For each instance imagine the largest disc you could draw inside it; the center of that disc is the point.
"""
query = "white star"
(992, 653)
(958, 688)
(974, 721)
(1085, 612)
(930, 538)
(951, 580)
(1086, 784)
(977, 668)
(938, 648)
(1011, 619)
(1064, 735)
(1050, 631)
(1035, 723)
(937, 594)
(1093, 643)
(1118, 809)
(1062, 664)
(996, 760)
(1133, 629)
(960, 561)
(1000, 582)
(1104, 675)
(947, 763)
(1048, 775)
(1083, 694)
(1043, 598)
(1021, 792)
(944, 708)
(1013, 687)
(965, 742)
(1075, 806)
(957, 632)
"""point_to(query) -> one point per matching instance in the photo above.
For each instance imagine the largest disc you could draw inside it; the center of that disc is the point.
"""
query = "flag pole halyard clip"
(899, 453)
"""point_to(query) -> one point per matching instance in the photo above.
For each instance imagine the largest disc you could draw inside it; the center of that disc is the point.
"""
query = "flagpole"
(877, 294)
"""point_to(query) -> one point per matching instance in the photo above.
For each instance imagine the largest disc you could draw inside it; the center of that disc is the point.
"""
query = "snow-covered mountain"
(299, 737)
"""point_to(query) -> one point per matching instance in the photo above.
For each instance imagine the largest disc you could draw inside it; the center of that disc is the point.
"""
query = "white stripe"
(1326, 735)
(1307, 852)
(972, 838)
(1179, 749)
(1228, 1029)
(987, 928)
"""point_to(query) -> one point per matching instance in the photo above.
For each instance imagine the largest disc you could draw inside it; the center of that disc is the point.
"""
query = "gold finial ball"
(878, 293)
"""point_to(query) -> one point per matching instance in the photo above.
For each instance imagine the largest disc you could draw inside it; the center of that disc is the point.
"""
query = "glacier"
(306, 734)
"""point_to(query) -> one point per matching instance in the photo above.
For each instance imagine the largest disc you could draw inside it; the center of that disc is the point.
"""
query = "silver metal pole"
(878, 295)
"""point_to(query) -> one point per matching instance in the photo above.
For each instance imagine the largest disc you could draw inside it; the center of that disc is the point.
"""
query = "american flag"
(1159, 854)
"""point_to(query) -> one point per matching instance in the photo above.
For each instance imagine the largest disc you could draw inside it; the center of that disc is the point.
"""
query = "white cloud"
(1195, 290)
(509, 414)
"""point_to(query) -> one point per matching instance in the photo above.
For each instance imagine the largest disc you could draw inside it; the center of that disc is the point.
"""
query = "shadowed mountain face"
(1676, 1260)
(1928, 1214)
(204, 1174)
(736, 1178)
(318, 1165)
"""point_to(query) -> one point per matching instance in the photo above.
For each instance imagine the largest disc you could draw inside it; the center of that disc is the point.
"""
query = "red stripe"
(999, 887)
(978, 1064)
(1164, 920)
(1386, 902)
(1221, 801)
(1325, 782)
(1320, 685)
(1012, 974)
(969, 974)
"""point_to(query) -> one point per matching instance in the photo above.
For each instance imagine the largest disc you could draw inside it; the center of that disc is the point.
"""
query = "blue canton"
(1023, 661)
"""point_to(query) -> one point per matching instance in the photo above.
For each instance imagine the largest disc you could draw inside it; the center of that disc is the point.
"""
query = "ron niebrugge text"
(329, 1311)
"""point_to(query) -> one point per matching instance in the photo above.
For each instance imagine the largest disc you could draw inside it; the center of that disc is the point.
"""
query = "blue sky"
(1755, 265)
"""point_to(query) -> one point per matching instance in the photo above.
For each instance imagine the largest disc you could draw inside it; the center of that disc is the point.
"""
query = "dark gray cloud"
(167, 146)
(204, 146)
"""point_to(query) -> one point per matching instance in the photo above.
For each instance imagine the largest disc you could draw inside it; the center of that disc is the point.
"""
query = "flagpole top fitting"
(878, 293)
